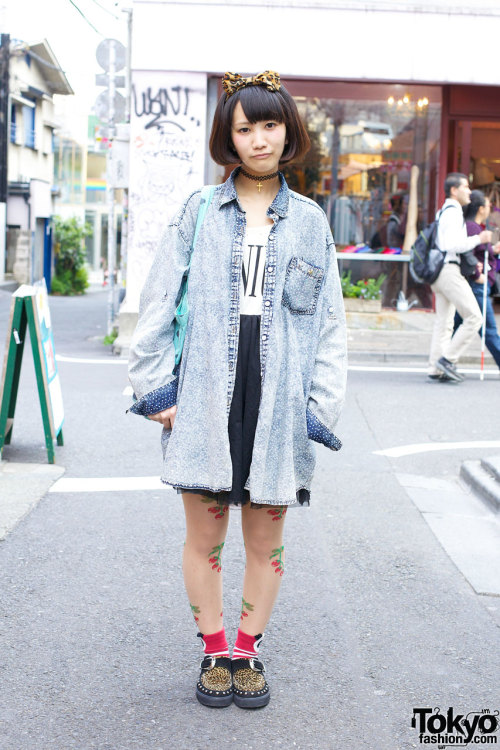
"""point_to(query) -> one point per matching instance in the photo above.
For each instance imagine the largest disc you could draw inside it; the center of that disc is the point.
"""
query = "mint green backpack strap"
(207, 193)
(182, 310)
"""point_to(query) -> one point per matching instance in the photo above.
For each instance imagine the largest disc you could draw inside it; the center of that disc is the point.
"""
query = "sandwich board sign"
(30, 310)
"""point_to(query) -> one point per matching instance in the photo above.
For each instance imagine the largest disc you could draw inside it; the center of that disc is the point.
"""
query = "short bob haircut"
(258, 104)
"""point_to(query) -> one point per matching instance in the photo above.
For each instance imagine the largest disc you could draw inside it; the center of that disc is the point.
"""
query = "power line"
(117, 18)
(85, 17)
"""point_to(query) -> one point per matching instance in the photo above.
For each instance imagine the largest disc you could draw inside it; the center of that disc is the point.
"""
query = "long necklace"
(258, 179)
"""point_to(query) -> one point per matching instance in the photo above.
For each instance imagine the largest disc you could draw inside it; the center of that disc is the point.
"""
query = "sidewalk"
(389, 336)
(398, 337)
(22, 485)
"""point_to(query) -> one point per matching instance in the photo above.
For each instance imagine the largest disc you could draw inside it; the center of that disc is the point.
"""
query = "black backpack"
(426, 259)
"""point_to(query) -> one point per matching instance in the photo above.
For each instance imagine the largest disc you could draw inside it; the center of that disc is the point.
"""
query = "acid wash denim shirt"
(302, 345)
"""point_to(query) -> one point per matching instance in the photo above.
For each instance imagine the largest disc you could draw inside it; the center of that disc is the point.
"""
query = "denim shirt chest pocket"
(302, 286)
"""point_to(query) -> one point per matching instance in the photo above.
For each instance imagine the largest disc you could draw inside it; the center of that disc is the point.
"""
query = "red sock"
(215, 644)
(246, 646)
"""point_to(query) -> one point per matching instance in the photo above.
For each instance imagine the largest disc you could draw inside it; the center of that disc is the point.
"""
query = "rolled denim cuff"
(317, 431)
(157, 400)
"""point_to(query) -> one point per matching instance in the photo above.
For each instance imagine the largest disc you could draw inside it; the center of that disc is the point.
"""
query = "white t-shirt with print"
(252, 270)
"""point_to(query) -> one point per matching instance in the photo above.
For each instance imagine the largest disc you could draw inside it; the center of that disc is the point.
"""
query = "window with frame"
(13, 123)
(29, 125)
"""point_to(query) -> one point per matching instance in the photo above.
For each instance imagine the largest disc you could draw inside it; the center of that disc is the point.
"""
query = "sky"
(72, 39)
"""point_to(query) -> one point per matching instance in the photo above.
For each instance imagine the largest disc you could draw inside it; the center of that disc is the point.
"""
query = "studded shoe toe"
(250, 689)
(214, 687)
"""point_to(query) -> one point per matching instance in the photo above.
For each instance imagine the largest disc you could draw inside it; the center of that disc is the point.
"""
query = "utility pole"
(4, 143)
(110, 106)
(110, 191)
(128, 97)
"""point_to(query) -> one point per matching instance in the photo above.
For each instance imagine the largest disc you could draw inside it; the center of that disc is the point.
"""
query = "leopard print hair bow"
(233, 82)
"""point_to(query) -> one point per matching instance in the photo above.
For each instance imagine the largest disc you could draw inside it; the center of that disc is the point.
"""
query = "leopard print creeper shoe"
(250, 689)
(214, 687)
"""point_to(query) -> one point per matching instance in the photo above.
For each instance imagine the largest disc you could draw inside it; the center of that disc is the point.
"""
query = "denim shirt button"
(270, 269)
(330, 309)
(264, 337)
(267, 303)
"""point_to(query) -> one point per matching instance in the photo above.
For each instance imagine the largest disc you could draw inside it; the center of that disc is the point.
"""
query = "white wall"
(346, 40)
(17, 212)
(41, 201)
(167, 161)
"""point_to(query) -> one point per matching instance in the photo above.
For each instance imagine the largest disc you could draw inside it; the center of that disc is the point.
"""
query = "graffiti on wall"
(162, 106)
(167, 160)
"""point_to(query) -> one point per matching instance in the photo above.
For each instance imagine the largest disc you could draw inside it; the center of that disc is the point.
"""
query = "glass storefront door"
(477, 154)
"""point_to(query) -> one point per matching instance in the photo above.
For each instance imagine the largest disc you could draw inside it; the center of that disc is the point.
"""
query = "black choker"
(258, 179)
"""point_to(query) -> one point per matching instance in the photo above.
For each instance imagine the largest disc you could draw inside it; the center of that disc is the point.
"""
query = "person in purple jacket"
(475, 214)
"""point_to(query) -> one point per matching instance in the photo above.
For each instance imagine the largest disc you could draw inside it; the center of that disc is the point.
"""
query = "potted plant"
(364, 295)
(71, 275)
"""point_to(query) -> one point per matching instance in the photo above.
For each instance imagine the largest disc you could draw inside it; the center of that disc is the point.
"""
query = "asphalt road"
(374, 619)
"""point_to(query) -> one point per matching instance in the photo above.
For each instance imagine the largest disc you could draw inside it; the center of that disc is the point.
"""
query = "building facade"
(34, 78)
(381, 86)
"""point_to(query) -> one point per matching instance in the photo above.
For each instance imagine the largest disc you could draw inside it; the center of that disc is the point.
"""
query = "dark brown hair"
(477, 199)
(453, 179)
(258, 104)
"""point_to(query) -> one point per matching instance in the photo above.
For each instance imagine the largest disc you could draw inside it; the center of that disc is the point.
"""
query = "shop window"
(364, 140)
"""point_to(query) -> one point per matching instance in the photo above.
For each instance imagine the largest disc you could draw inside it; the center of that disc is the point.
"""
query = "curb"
(484, 478)
(9, 286)
(369, 357)
(22, 486)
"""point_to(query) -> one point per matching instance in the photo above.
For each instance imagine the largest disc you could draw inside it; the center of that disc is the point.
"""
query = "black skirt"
(243, 417)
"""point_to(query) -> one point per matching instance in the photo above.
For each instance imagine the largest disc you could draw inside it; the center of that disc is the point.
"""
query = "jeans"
(492, 339)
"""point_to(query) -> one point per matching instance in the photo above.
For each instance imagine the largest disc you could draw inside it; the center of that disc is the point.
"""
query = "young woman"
(476, 214)
(262, 372)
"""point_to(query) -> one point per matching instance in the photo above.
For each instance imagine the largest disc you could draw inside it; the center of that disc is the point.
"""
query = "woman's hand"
(165, 417)
(496, 248)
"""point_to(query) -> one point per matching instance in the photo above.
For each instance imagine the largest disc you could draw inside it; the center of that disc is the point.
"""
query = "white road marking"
(107, 484)
(86, 361)
(409, 450)
(353, 368)
(378, 368)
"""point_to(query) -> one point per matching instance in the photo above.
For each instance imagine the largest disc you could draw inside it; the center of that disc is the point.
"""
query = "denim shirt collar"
(279, 205)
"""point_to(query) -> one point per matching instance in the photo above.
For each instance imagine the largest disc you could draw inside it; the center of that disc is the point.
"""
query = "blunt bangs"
(260, 104)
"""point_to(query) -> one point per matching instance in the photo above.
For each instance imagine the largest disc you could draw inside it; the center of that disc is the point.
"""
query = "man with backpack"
(451, 289)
